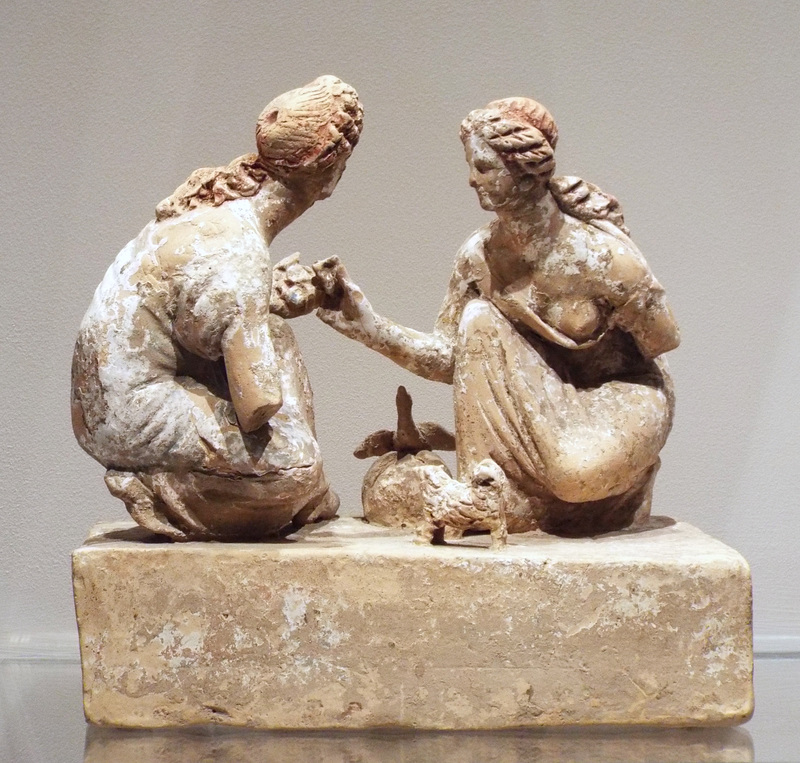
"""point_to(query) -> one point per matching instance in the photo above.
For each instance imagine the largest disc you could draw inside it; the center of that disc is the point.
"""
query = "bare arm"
(648, 318)
(640, 304)
(427, 355)
(252, 368)
(219, 268)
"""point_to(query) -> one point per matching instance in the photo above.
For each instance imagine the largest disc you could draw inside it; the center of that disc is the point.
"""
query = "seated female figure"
(184, 385)
(550, 332)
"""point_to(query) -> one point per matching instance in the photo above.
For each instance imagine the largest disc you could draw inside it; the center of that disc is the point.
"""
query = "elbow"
(656, 344)
(439, 365)
(252, 368)
(672, 342)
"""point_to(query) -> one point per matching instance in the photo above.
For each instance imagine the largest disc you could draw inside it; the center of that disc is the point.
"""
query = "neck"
(533, 218)
(277, 205)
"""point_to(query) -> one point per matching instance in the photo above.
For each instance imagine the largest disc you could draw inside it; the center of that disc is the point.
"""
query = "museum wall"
(687, 112)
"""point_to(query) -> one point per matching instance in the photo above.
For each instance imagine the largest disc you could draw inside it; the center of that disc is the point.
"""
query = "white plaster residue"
(304, 669)
(702, 603)
(472, 310)
(719, 657)
(244, 640)
(621, 600)
(329, 635)
(640, 602)
(585, 624)
(719, 647)
(168, 637)
(295, 604)
(179, 648)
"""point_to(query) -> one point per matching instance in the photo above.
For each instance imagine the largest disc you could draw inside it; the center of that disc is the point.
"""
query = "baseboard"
(776, 646)
(63, 647)
(39, 647)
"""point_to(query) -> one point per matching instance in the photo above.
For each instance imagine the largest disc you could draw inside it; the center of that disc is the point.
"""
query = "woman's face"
(488, 175)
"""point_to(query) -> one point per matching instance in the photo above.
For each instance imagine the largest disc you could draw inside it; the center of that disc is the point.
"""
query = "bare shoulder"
(614, 259)
(466, 274)
(476, 241)
(471, 254)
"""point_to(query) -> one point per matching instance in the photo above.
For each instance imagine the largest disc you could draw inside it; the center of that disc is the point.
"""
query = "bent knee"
(578, 476)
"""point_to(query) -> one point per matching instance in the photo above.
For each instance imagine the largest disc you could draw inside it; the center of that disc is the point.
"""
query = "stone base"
(347, 625)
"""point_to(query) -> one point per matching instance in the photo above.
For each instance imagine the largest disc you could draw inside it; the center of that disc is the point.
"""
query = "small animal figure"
(454, 505)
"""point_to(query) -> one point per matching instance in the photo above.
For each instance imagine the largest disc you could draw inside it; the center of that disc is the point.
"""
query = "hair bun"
(316, 122)
(529, 112)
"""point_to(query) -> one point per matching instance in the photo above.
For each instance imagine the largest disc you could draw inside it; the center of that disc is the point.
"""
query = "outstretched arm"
(427, 355)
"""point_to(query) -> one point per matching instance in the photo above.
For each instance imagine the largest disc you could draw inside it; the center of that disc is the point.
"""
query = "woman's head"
(303, 136)
(309, 129)
(521, 133)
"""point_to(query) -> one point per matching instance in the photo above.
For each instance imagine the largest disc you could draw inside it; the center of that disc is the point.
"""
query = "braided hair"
(524, 135)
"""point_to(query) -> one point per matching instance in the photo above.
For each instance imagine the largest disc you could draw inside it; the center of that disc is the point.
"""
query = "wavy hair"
(524, 135)
(309, 128)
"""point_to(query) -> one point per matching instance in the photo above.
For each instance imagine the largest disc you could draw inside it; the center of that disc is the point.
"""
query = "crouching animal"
(479, 505)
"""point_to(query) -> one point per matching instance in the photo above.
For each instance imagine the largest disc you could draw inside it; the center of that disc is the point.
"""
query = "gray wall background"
(686, 111)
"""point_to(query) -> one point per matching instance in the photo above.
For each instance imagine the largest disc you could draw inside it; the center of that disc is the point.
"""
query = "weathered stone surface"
(357, 626)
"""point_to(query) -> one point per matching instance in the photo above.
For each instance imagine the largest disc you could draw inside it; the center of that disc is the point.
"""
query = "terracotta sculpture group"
(189, 387)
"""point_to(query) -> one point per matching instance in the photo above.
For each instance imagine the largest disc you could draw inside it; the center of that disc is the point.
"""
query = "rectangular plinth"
(346, 625)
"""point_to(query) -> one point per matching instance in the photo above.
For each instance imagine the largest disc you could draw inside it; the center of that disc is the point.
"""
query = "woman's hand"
(345, 308)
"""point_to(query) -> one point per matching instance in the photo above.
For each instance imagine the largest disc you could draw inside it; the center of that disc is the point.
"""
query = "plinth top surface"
(662, 541)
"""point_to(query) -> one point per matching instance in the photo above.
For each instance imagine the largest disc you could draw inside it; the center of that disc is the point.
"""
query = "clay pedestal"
(346, 625)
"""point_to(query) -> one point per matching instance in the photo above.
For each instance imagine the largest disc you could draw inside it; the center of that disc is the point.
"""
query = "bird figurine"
(391, 493)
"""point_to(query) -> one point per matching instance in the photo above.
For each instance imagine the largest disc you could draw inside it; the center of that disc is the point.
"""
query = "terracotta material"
(552, 334)
(450, 504)
(349, 625)
(184, 386)
(392, 494)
